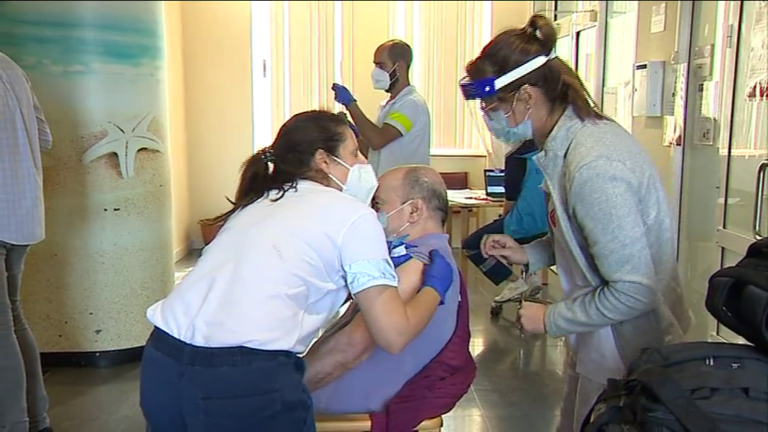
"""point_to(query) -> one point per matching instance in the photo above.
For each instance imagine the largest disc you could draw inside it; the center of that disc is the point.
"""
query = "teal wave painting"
(84, 37)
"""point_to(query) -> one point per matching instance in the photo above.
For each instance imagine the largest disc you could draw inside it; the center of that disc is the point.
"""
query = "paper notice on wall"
(658, 18)
(709, 99)
(704, 131)
(757, 67)
(623, 104)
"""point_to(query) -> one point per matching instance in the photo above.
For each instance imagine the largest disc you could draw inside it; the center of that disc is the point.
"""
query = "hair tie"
(267, 155)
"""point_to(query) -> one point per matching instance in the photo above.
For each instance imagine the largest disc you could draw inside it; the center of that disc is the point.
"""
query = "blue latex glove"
(342, 95)
(438, 274)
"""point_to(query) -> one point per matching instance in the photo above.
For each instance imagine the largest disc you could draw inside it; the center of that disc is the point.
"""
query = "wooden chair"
(362, 423)
(456, 180)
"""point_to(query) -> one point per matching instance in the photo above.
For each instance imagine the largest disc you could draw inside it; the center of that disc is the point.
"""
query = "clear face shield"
(490, 115)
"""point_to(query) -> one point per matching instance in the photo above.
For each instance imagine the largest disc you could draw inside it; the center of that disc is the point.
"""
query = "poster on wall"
(98, 71)
(610, 102)
(658, 18)
(757, 67)
(674, 122)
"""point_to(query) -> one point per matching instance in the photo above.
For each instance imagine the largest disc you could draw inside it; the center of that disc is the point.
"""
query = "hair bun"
(544, 30)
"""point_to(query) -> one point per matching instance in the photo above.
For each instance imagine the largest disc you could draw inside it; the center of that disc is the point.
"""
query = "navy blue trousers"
(185, 388)
(495, 270)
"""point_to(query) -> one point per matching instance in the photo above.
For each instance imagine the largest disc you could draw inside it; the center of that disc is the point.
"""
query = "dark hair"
(291, 155)
(418, 184)
(399, 51)
(512, 48)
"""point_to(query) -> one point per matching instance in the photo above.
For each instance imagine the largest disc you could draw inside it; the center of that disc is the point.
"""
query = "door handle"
(757, 213)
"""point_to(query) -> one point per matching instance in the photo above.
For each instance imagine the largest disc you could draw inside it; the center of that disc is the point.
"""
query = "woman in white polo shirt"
(224, 355)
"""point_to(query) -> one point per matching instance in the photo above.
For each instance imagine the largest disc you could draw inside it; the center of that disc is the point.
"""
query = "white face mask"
(384, 220)
(380, 79)
(361, 181)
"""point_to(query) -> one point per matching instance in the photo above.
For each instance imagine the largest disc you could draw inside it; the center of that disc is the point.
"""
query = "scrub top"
(408, 113)
(278, 271)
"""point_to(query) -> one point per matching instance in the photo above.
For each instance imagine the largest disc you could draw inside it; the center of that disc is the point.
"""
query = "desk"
(463, 202)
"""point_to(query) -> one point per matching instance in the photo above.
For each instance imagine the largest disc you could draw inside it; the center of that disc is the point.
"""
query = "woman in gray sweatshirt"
(610, 228)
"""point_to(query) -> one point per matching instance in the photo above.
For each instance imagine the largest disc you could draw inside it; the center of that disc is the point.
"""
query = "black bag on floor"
(695, 386)
(738, 296)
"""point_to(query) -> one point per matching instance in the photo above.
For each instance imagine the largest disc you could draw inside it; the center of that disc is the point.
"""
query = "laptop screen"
(494, 183)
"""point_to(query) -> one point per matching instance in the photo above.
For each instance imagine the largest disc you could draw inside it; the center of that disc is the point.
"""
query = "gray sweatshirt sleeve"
(540, 254)
(605, 201)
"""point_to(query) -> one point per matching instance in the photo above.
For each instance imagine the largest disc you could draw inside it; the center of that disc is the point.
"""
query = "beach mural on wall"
(98, 70)
(71, 44)
(125, 140)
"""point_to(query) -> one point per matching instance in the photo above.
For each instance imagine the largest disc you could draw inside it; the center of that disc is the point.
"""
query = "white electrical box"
(648, 81)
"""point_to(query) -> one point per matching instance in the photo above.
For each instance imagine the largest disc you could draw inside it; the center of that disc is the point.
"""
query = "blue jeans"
(495, 270)
(185, 388)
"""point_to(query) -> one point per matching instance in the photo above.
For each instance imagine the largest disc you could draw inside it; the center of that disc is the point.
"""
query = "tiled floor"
(518, 386)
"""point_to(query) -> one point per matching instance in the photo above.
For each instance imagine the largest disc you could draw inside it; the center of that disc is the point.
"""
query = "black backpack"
(701, 386)
(687, 387)
(737, 296)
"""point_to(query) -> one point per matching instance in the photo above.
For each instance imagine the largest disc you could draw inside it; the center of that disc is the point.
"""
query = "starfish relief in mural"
(125, 139)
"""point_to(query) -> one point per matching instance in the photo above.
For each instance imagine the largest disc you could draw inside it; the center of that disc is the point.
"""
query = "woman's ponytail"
(255, 182)
(291, 157)
(512, 48)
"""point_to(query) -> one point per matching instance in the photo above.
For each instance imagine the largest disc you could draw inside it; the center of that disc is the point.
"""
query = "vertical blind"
(308, 39)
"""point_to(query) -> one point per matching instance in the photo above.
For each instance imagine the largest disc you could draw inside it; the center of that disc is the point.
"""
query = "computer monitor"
(494, 184)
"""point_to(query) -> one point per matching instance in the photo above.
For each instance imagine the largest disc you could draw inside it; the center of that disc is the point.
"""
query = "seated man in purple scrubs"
(346, 372)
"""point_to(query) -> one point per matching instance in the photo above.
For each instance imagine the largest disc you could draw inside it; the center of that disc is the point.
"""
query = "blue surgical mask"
(497, 124)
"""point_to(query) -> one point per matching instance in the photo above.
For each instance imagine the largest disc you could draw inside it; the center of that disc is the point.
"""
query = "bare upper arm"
(387, 134)
(410, 275)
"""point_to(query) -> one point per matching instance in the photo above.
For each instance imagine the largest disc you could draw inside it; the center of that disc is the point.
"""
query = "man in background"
(23, 134)
(401, 133)
(524, 218)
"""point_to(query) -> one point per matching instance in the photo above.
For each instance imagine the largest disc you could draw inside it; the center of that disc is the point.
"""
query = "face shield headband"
(486, 88)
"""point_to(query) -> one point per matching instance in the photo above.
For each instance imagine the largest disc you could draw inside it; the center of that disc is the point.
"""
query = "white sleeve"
(404, 116)
(364, 255)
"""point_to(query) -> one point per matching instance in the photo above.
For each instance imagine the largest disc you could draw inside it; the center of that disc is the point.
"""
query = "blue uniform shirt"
(528, 217)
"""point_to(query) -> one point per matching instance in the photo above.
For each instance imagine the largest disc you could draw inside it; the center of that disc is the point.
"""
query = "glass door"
(725, 148)
(745, 154)
(581, 43)
(699, 254)
(620, 47)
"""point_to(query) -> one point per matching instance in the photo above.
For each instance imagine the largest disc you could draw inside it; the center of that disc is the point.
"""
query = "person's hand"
(504, 248)
(438, 274)
(531, 317)
(342, 95)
